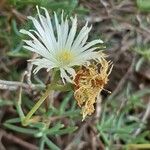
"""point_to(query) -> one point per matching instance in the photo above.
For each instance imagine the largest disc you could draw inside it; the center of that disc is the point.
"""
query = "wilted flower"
(59, 44)
(89, 82)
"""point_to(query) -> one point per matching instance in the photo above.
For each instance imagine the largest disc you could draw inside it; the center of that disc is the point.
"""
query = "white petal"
(43, 34)
(42, 63)
(79, 52)
(94, 42)
(84, 31)
(72, 33)
(43, 22)
(32, 36)
(64, 32)
(37, 26)
(36, 47)
(85, 56)
(51, 31)
(71, 71)
(88, 45)
(84, 40)
(59, 40)
(64, 76)
(90, 56)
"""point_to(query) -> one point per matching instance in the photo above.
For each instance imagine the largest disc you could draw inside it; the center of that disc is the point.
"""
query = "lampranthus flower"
(89, 82)
(62, 48)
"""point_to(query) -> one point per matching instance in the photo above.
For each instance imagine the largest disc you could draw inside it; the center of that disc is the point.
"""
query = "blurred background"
(121, 118)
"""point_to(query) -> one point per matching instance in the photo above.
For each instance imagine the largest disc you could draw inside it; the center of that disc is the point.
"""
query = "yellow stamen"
(65, 57)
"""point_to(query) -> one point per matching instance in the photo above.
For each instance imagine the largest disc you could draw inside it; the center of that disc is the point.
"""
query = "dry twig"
(18, 141)
(144, 118)
(14, 85)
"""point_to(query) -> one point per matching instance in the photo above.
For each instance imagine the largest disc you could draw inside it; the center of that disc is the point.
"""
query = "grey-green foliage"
(118, 124)
(54, 5)
(44, 132)
(144, 5)
(144, 53)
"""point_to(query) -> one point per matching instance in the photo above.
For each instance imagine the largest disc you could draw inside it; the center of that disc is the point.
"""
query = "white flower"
(59, 45)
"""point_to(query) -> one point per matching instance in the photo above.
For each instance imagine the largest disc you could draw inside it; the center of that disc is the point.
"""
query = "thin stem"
(53, 86)
(18, 106)
(36, 106)
(59, 87)
(19, 102)
(138, 146)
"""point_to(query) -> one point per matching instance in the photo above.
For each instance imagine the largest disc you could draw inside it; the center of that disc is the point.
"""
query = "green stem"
(19, 101)
(21, 114)
(59, 87)
(138, 146)
(26, 119)
(53, 86)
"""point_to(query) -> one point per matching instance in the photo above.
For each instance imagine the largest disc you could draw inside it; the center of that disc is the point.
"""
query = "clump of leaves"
(119, 124)
(143, 5)
(49, 127)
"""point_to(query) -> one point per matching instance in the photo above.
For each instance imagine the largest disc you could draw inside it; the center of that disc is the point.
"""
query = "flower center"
(65, 57)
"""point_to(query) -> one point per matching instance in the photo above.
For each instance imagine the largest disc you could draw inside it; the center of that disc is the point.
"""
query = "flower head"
(59, 45)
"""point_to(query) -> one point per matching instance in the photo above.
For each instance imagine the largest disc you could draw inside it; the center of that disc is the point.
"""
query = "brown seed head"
(89, 82)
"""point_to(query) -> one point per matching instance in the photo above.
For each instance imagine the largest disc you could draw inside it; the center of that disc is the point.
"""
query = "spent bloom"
(89, 82)
(59, 45)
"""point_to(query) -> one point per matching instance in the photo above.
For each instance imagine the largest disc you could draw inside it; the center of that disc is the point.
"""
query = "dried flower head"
(59, 44)
(89, 82)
